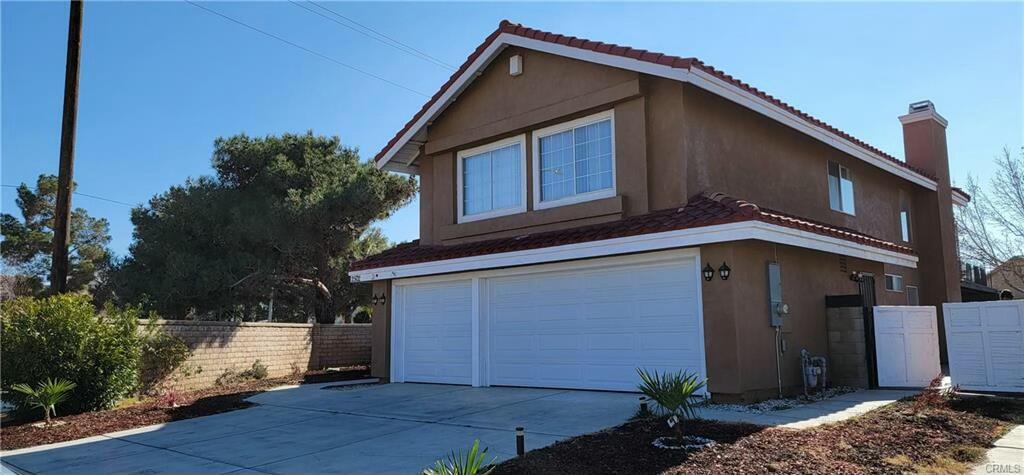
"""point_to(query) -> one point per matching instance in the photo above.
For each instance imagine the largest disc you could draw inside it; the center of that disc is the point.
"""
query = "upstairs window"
(894, 283)
(491, 180)
(905, 216)
(575, 161)
(905, 225)
(840, 188)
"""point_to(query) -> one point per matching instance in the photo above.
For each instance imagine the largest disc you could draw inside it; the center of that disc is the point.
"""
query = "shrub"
(46, 396)
(673, 393)
(162, 359)
(229, 377)
(472, 462)
(62, 337)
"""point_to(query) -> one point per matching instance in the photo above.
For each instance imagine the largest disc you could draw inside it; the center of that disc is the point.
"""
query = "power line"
(303, 48)
(87, 195)
(373, 34)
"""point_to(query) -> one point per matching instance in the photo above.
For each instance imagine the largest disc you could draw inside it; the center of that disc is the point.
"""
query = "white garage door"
(436, 340)
(591, 329)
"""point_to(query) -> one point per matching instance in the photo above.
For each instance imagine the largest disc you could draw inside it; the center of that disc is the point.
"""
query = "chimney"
(924, 140)
(924, 146)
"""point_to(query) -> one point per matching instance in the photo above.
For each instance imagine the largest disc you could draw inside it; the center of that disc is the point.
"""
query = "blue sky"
(161, 80)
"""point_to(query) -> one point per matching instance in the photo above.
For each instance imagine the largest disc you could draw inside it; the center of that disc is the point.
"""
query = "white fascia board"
(642, 243)
(449, 95)
(696, 77)
(960, 199)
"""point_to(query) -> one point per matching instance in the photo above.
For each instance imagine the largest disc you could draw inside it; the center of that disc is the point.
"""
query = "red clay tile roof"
(701, 210)
(643, 55)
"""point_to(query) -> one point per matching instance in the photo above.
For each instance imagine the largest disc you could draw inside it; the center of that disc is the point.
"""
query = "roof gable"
(403, 148)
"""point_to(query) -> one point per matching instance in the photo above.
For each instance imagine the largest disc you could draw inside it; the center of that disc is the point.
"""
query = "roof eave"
(683, 71)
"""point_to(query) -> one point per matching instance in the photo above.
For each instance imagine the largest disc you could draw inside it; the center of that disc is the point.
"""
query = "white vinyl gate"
(985, 341)
(906, 346)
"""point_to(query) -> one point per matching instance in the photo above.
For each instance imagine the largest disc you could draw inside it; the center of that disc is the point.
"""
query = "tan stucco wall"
(736, 151)
(739, 340)
(380, 332)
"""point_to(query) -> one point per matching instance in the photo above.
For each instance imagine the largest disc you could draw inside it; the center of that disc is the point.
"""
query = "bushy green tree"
(279, 222)
(27, 244)
(63, 337)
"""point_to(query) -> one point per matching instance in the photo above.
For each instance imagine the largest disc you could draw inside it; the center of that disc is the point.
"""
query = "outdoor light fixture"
(378, 299)
(709, 272)
(724, 271)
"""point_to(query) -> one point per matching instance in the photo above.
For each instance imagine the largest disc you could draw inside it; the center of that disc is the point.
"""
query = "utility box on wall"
(776, 308)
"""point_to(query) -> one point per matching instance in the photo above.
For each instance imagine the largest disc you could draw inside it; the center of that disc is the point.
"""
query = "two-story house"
(588, 208)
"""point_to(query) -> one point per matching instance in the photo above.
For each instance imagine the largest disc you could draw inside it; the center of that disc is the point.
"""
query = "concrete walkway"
(834, 409)
(1006, 457)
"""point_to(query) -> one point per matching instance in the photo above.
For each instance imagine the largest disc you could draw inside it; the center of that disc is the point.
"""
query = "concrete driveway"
(392, 428)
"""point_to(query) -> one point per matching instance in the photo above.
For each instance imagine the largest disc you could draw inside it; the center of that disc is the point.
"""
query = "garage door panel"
(437, 334)
(591, 329)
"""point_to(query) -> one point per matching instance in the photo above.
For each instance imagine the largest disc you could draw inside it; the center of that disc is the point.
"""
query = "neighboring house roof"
(706, 209)
(410, 137)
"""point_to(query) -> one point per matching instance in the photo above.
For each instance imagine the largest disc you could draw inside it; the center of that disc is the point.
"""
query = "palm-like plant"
(469, 463)
(673, 394)
(46, 396)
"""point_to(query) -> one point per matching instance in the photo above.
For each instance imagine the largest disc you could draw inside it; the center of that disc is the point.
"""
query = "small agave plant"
(46, 395)
(472, 462)
(673, 394)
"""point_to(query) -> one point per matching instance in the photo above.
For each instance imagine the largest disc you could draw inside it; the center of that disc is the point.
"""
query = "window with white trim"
(575, 161)
(912, 296)
(491, 180)
(840, 188)
(894, 283)
(905, 225)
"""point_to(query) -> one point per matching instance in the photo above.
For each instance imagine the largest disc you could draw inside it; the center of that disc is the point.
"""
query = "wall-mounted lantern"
(379, 300)
(724, 271)
(709, 272)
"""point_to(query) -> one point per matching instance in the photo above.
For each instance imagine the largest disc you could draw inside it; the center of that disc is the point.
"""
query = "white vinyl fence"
(985, 341)
(906, 346)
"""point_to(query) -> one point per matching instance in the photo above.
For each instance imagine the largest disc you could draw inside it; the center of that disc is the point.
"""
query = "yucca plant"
(46, 396)
(672, 394)
(470, 463)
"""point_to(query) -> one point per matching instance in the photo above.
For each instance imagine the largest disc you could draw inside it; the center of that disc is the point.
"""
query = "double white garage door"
(582, 326)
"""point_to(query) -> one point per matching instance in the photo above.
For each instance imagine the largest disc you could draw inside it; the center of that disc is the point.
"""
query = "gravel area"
(784, 403)
(897, 438)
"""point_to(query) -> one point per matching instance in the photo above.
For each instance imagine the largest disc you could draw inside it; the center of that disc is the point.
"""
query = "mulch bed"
(893, 439)
(205, 402)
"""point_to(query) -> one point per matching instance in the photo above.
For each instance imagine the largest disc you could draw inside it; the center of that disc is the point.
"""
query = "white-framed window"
(840, 188)
(905, 225)
(912, 296)
(574, 161)
(492, 180)
(894, 283)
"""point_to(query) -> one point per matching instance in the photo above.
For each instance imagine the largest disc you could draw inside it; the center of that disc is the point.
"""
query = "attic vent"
(921, 106)
(515, 65)
(843, 265)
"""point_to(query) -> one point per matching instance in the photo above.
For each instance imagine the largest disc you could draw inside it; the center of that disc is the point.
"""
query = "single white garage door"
(591, 329)
(435, 344)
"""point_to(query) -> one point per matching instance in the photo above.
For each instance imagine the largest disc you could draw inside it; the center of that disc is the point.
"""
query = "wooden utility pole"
(65, 176)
